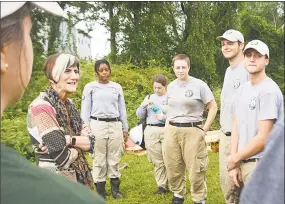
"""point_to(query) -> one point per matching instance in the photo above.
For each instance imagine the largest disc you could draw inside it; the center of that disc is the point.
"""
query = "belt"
(158, 125)
(105, 119)
(228, 133)
(251, 160)
(195, 124)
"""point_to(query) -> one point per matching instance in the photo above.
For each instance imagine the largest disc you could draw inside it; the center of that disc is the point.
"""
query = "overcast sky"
(100, 46)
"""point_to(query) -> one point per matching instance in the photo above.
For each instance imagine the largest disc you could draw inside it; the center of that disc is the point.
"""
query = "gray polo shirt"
(157, 101)
(262, 101)
(234, 78)
(103, 101)
(186, 101)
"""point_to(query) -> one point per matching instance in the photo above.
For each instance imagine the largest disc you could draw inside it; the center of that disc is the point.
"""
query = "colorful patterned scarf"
(69, 119)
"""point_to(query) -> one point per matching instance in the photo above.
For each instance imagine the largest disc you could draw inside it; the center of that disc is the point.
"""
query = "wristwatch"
(73, 141)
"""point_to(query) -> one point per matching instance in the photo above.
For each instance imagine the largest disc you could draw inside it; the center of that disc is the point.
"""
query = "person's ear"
(241, 46)
(266, 61)
(4, 63)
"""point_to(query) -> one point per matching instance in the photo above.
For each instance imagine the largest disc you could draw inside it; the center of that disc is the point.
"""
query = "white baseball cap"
(232, 35)
(259, 46)
(7, 8)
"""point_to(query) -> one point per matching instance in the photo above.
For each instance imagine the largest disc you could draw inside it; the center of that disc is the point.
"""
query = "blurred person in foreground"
(22, 182)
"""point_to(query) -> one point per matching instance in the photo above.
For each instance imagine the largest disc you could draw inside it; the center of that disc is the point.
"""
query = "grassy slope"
(138, 183)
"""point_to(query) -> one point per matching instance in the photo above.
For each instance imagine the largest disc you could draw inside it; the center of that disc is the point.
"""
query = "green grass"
(138, 183)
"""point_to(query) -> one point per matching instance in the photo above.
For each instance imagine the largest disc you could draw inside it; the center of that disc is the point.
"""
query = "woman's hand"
(147, 103)
(203, 132)
(68, 140)
(125, 135)
(43, 148)
(159, 116)
(86, 130)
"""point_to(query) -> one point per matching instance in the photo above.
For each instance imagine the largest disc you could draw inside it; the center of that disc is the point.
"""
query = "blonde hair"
(181, 57)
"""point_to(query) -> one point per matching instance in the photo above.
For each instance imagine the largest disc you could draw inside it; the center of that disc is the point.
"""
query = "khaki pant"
(154, 137)
(186, 149)
(224, 152)
(246, 170)
(108, 150)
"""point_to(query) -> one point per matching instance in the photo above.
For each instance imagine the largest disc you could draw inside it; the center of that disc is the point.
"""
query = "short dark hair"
(99, 62)
(160, 78)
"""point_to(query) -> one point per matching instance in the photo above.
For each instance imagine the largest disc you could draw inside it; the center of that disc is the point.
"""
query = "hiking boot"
(161, 190)
(100, 188)
(176, 200)
(115, 184)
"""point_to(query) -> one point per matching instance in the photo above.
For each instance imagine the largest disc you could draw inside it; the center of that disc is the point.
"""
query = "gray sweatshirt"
(104, 101)
(157, 101)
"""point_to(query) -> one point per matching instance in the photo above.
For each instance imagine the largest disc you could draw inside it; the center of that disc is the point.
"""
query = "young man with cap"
(232, 42)
(259, 106)
(184, 140)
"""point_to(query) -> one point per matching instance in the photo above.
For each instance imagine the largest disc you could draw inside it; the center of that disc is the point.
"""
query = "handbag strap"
(146, 110)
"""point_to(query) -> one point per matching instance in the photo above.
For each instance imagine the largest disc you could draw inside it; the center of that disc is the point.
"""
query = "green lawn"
(138, 183)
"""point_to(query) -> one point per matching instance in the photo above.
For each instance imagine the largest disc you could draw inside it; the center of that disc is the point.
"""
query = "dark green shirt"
(22, 182)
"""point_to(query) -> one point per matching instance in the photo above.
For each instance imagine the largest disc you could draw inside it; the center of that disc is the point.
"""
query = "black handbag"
(143, 122)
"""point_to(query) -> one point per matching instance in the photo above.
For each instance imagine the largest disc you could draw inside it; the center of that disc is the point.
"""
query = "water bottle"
(156, 110)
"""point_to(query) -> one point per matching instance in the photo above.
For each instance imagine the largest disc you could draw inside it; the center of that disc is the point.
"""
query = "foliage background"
(144, 36)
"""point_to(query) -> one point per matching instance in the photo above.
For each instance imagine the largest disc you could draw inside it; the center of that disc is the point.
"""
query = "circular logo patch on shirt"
(236, 84)
(189, 93)
(252, 104)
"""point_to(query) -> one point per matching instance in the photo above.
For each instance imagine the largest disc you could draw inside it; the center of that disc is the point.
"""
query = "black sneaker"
(160, 190)
(176, 200)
